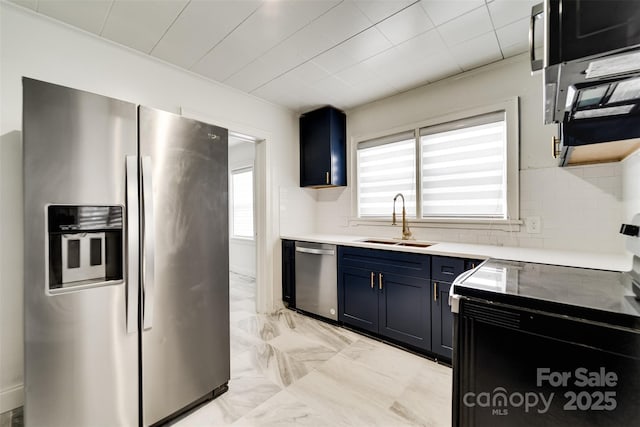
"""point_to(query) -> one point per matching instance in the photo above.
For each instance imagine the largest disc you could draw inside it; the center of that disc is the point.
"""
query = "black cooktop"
(598, 295)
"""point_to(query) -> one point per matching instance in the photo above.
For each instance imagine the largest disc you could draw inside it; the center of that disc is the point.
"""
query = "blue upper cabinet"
(323, 157)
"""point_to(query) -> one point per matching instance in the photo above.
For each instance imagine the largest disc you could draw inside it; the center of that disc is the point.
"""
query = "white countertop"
(600, 261)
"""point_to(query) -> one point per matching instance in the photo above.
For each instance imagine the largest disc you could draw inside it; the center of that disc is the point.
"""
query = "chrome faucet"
(406, 233)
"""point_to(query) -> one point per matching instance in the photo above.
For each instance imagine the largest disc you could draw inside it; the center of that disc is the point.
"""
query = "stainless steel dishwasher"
(316, 279)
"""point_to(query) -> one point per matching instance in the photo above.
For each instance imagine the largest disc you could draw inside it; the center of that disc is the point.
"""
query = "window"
(461, 168)
(386, 167)
(242, 203)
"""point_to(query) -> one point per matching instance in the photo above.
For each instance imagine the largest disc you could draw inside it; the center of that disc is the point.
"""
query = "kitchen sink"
(415, 244)
(382, 242)
(412, 244)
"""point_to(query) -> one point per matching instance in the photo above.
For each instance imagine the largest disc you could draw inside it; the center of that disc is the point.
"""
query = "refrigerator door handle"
(133, 243)
(148, 251)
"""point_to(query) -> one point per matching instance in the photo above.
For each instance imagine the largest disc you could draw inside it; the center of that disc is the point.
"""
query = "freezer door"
(185, 262)
(81, 364)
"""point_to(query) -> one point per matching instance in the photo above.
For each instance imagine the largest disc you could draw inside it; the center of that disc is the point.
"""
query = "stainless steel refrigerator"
(126, 283)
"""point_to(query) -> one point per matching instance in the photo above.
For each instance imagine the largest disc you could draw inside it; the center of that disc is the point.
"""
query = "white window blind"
(242, 203)
(386, 167)
(464, 168)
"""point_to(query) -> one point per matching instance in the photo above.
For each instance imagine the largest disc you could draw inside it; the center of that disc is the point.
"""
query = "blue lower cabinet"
(289, 273)
(358, 299)
(441, 320)
(443, 271)
(385, 293)
(404, 309)
(400, 296)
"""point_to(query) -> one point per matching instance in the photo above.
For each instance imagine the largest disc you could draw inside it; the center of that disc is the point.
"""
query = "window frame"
(390, 139)
(511, 110)
(233, 172)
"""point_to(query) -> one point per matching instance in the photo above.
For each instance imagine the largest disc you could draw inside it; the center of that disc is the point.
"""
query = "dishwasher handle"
(315, 251)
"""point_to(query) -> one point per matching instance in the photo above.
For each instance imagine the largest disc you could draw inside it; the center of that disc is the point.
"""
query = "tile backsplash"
(579, 208)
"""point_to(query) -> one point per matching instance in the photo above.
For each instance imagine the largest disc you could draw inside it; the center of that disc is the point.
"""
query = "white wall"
(242, 252)
(631, 186)
(580, 207)
(34, 46)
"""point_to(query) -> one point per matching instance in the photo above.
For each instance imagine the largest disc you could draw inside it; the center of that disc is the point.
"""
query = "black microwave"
(589, 54)
(576, 29)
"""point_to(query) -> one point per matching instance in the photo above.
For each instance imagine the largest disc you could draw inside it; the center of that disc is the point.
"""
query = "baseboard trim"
(11, 398)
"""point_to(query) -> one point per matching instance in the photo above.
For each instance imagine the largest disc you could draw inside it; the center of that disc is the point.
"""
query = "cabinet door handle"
(327, 177)
(372, 274)
(435, 291)
(380, 281)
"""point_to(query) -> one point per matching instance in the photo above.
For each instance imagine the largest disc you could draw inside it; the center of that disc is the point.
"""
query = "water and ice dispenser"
(85, 246)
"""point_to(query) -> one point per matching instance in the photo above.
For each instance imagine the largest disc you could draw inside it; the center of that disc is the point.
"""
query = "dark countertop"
(596, 295)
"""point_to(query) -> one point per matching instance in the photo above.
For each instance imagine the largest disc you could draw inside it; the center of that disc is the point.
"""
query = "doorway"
(242, 225)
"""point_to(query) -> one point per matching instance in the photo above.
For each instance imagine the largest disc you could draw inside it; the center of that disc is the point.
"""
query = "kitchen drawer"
(446, 269)
(404, 263)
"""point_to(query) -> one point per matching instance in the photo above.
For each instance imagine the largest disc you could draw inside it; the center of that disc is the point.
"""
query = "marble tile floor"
(292, 370)
(288, 369)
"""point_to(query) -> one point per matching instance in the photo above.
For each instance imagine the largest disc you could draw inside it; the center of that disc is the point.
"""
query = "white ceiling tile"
(333, 27)
(229, 56)
(409, 76)
(365, 83)
(513, 50)
(303, 45)
(359, 74)
(477, 52)
(330, 87)
(278, 19)
(441, 11)
(358, 48)
(363, 95)
(514, 38)
(425, 45)
(366, 44)
(199, 27)
(272, 23)
(87, 15)
(342, 22)
(283, 91)
(279, 60)
(334, 60)
(140, 24)
(254, 75)
(466, 27)
(306, 53)
(314, 97)
(407, 24)
(352, 96)
(440, 67)
(505, 12)
(389, 61)
(377, 10)
(308, 72)
(31, 4)
(407, 69)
